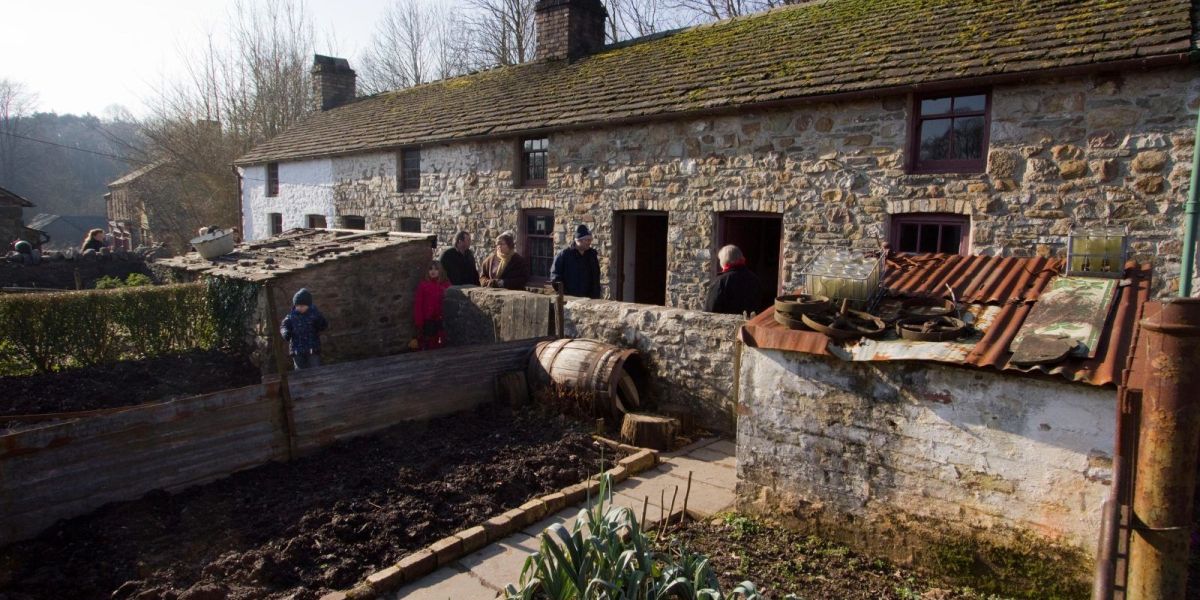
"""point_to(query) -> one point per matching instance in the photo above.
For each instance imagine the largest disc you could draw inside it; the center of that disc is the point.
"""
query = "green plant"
(108, 282)
(606, 554)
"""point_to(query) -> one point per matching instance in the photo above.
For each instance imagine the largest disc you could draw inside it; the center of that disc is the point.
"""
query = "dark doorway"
(641, 257)
(758, 235)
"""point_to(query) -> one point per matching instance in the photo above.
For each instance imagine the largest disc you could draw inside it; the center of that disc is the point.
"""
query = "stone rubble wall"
(690, 354)
(58, 272)
(889, 456)
(1078, 150)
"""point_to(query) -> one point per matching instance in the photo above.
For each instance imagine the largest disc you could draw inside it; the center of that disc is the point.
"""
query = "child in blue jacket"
(302, 328)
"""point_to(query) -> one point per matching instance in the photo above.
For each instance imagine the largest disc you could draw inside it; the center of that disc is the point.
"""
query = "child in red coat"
(427, 309)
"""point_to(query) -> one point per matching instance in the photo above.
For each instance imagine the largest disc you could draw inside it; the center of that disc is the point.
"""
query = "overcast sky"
(81, 56)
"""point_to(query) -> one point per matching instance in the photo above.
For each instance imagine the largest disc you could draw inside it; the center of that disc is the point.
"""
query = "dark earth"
(781, 562)
(302, 529)
(125, 383)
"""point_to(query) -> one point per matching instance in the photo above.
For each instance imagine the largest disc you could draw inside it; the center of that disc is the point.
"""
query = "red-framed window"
(534, 158)
(538, 231)
(950, 133)
(272, 179)
(931, 232)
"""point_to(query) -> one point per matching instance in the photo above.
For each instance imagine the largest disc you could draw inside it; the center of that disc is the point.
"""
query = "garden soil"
(301, 529)
(126, 383)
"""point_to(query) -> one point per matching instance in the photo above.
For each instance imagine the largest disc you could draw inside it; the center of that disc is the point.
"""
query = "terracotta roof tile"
(791, 53)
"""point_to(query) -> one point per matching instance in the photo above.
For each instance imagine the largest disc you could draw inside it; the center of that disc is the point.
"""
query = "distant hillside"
(62, 180)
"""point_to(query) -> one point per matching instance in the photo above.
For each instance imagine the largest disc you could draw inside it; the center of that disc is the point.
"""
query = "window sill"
(949, 170)
(530, 185)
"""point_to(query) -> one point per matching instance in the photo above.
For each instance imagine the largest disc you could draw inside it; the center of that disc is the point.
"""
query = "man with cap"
(577, 267)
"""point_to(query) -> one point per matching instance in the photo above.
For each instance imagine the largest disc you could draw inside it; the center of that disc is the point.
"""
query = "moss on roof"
(789, 53)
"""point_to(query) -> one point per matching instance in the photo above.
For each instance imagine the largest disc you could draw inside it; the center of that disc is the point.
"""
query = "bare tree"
(628, 19)
(713, 10)
(16, 103)
(502, 31)
(240, 89)
(414, 43)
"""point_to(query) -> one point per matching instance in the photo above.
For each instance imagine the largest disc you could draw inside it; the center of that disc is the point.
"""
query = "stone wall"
(58, 273)
(1065, 151)
(690, 354)
(368, 299)
(893, 457)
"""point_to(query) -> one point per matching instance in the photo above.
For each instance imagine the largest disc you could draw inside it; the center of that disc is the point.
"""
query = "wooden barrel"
(589, 368)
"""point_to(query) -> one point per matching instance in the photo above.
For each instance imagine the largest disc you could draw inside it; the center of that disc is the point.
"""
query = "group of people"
(576, 268)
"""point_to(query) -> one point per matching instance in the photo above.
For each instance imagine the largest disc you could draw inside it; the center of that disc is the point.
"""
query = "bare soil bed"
(305, 528)
(781, 562)
(125, 383)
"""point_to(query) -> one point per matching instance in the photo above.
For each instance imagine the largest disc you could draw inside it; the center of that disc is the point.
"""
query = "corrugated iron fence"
(70, 468)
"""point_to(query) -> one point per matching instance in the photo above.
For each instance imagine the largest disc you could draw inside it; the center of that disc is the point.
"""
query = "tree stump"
(649, 431)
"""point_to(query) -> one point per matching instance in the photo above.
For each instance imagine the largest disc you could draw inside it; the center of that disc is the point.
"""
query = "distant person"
(24, 253)
(736, 290)
(459, 261)
(302, 329)
(94, 240)
(577, 267)
(505, 268)
(427, 308)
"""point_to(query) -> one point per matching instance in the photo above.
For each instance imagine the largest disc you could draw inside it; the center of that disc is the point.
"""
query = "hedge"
(51, 331)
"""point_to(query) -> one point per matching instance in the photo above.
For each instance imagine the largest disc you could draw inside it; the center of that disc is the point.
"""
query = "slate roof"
(811, 50)
(8, 198)
(133, 175)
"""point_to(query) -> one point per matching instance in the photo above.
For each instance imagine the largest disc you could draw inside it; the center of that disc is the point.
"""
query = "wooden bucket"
(590, 368)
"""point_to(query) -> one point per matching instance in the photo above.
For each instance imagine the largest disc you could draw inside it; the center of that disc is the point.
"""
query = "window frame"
(527, 238)
(272, 179)
(951, 165)
(310, 224)
(405, 182)
(523, 178)
(963, 222)
(274, 223)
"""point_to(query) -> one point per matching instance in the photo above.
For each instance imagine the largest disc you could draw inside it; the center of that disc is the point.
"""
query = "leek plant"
(605, 555)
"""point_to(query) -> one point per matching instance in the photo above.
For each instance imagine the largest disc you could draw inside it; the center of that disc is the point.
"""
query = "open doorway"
(759, 236)
(641, 249)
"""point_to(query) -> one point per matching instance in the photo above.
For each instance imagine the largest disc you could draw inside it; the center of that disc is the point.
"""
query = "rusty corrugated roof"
(1014, 284)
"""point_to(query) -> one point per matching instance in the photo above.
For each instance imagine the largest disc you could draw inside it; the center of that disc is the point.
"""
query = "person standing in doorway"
(577, 267)
(459, 262)
(737, 289)
(505, 268)
(302, 329)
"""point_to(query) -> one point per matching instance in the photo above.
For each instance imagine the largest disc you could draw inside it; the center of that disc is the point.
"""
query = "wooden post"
(686, 494)
(559, 326)
(285, 395)
(78, 280)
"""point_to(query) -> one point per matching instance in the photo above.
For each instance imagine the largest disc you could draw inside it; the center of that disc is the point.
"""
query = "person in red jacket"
(427, 308)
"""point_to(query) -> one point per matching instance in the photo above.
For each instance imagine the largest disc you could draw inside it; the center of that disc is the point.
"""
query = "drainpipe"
(241, 211)
(1168, 444)
(1190, 215)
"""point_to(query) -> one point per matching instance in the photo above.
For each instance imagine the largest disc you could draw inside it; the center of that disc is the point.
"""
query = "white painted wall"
(305, 187)
(885, 442)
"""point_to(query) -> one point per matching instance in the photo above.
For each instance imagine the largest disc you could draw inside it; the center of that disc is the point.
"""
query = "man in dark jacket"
(577, 267)
(736, 290)
(459, 261)
(302, 329)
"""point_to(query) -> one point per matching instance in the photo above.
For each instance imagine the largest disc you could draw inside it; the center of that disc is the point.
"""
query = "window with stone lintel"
(534, 155)
(930, 232)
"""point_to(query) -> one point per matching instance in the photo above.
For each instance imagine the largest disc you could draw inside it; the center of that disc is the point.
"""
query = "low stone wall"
(896, 458)
(690, 354)
(59, 273)
(67, 469)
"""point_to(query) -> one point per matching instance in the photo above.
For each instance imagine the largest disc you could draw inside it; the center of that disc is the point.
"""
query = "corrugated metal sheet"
(1012, 283)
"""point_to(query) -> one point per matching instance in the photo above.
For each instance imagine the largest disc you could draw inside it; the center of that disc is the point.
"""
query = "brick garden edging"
(453, 547)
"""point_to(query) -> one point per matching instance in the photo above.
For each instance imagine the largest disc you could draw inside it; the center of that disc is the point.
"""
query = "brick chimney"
(333, 82)
(569, 28)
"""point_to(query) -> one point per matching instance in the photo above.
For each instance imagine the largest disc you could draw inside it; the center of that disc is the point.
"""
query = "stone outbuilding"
(12, 227)
(363, 281)
(967, 127)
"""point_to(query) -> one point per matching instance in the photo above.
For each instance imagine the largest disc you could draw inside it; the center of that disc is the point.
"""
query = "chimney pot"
(333, 82)
(569, 28)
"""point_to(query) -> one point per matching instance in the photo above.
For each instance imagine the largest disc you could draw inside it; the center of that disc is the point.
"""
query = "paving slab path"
(482, 574)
